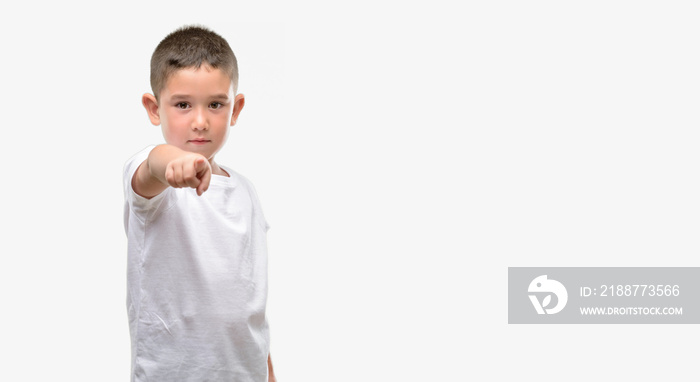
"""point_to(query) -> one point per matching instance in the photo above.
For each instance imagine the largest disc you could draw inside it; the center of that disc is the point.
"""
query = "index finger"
(204, 181)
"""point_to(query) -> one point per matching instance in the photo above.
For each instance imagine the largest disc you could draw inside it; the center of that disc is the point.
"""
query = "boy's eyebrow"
(186, 96)
(220, 96)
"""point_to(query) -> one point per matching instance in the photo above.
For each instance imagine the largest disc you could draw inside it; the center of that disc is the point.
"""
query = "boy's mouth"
(199, 141)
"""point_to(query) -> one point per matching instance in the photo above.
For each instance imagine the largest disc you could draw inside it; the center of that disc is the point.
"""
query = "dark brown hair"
(190, 47)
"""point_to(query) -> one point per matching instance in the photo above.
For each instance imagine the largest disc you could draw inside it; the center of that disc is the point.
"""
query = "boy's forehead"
(205, 76)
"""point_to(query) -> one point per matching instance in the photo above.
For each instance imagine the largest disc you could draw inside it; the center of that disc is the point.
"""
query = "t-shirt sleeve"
(257, 206)
(134, 201)
(131, 166)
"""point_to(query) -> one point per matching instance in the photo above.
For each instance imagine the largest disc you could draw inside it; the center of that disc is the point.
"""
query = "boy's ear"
(238, 104)
(151, 104)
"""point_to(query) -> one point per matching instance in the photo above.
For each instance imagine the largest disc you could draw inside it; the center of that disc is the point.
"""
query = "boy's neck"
(217, 170)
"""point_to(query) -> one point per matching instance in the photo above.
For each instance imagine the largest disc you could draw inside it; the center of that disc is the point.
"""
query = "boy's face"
(196, 108)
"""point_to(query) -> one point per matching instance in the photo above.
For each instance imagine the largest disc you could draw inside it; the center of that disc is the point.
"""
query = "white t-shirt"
(197, 281)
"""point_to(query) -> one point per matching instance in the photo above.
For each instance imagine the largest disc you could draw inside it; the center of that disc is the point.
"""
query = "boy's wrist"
(160, 157)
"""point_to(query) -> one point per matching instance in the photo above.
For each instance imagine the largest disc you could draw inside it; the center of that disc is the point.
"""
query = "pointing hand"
(190, 170)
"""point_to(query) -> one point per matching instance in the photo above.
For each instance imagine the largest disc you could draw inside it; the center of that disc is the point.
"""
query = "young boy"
(197, 255)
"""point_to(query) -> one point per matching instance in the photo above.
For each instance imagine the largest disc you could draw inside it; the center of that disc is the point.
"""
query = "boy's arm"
(271, 373)
(169, 166)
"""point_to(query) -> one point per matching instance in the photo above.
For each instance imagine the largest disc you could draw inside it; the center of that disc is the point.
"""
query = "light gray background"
(405, 154)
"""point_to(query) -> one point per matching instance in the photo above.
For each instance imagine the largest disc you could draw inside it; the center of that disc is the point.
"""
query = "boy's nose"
(200, 121)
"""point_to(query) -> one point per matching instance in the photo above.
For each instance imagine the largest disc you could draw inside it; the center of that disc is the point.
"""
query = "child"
(197, 255)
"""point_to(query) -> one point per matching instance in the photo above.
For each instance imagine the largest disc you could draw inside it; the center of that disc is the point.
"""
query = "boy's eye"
(182, 105)
(216, 105)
